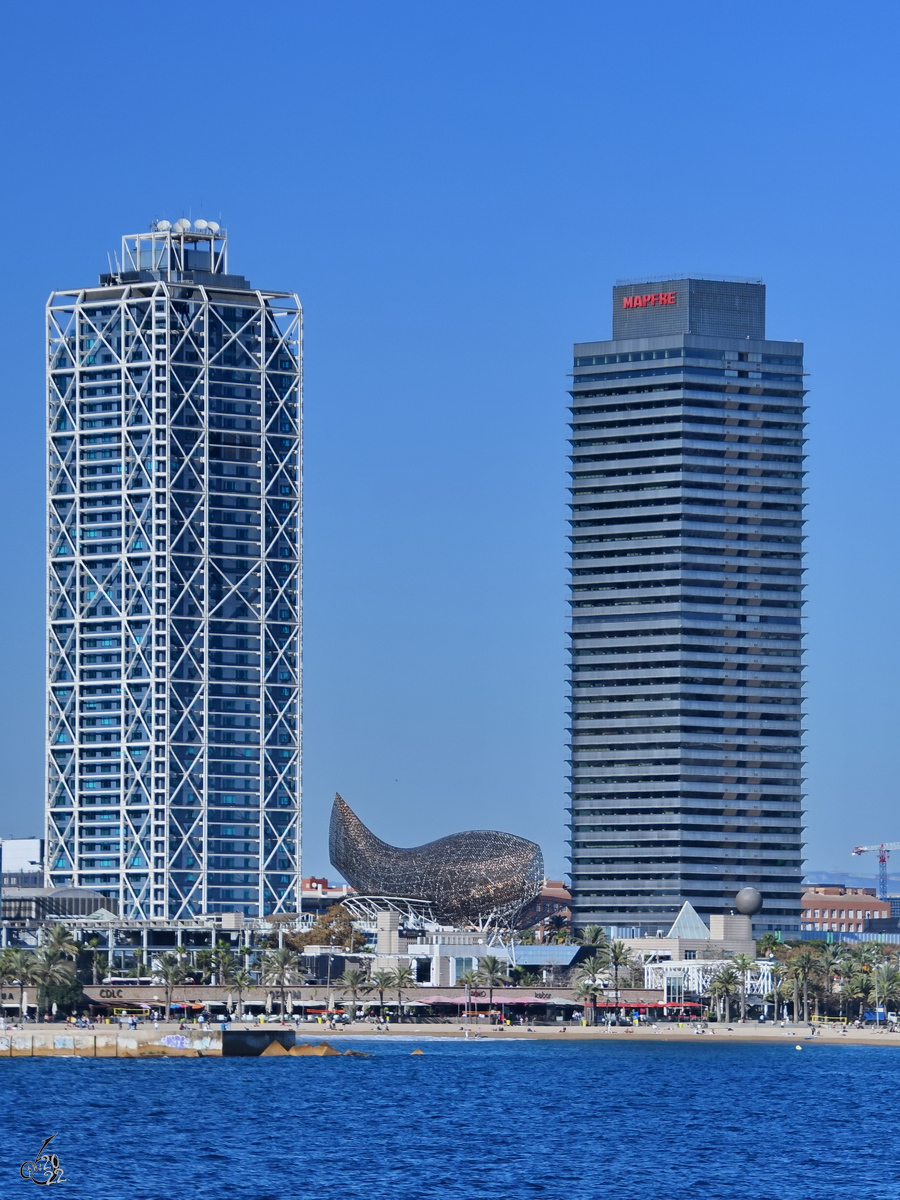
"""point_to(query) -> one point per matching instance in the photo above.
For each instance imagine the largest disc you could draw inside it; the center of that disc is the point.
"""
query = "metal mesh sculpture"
(479, 877)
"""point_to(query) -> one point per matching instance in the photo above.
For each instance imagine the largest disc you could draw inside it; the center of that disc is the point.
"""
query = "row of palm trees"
(835, 978)
(831, 979)
(491, 973)
(814, 979)
(604, 966)
(52, 965)
(279, 969)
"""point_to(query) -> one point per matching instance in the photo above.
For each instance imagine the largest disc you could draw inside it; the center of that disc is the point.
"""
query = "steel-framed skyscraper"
(687, 559)
(174, 492)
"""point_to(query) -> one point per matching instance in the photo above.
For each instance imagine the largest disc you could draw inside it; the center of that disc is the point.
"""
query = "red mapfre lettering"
(651, 299)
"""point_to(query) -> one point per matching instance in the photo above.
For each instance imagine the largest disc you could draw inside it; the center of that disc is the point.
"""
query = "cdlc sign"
(644, 301)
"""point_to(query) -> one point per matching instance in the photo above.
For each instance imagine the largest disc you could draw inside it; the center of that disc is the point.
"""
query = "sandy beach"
(748, 1032)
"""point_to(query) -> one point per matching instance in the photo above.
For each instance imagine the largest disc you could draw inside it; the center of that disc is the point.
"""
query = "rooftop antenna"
(109, 261)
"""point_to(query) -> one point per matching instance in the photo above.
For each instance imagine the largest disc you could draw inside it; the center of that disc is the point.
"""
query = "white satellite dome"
(212, 226)
(201, 224)
(162, 226)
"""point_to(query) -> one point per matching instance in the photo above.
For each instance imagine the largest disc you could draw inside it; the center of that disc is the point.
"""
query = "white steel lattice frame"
(158, 348)
(696, 975)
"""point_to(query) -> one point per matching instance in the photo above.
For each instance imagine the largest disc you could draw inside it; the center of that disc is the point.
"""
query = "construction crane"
(884, 853)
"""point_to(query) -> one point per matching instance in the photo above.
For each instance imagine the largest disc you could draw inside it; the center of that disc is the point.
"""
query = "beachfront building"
(840, 909)
(174, 408)
(686, 592)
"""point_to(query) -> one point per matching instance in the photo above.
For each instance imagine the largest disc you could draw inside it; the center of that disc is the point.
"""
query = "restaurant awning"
(532, 1000)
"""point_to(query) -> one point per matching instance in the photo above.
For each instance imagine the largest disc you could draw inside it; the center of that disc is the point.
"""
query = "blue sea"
(466, 1120)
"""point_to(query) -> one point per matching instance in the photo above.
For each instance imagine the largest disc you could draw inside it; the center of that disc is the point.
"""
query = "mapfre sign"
(649, 301)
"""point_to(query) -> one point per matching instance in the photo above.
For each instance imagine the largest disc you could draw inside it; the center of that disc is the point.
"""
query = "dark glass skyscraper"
(173, 728)
(687, 560)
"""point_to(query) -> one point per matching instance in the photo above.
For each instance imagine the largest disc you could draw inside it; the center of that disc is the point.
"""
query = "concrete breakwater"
(236, 1043)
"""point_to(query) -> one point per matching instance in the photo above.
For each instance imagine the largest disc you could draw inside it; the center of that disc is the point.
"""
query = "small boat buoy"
(798, 1047)
(417, 1052)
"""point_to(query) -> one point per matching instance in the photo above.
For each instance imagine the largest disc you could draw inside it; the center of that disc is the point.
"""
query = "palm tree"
(524, 976)
(10, 969)
(768, 945)
(593, 935)
(7, 974)
(618, 957)
(171, 971)
(831, 958)
(59, 938)
(491, 974)
(469, 980)
(18, 968)
(354, 980)
(223, 959)
(49, 968)
(137, 969)
(279, 968)
(93, 944)
(802, 965)
(743, 964)
(856, 968)
(779, 972)
(237, 982)
(381, 981)
(591, 977)
(225, 964)
(856, 987)
(724, 984)
(401, 977)
(559, 928)
(586, 993)
(204, 961)
(887, 978)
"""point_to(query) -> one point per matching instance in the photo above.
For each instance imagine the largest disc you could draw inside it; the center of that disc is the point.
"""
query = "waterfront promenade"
(169, 1039)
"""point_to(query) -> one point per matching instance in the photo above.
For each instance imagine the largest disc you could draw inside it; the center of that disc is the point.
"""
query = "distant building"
(686, 593)
(22, 862)
(552, 901)
(41, 904)
(841, 909)
(690, 938)
(318, 895)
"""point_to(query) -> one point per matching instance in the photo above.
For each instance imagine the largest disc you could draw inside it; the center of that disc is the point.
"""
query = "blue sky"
(453, 189)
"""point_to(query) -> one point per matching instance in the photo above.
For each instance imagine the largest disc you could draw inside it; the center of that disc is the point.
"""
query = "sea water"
(581, 1120)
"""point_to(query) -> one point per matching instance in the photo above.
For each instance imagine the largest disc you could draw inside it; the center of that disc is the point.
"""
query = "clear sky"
(452, 188)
